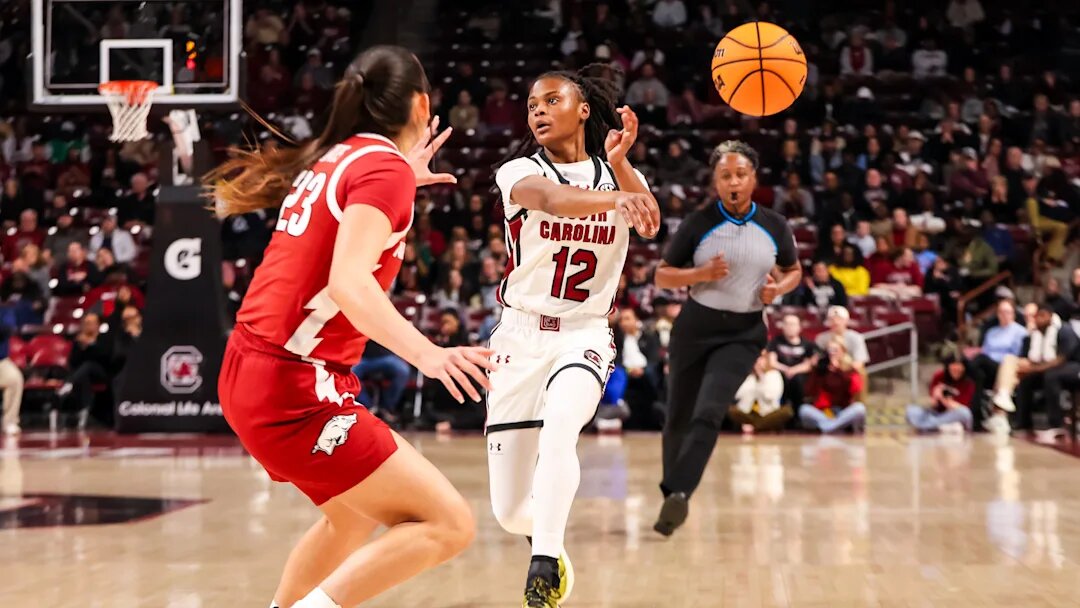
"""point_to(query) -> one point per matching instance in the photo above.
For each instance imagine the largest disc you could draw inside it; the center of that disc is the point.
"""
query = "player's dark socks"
(673, 513)
(542, 584)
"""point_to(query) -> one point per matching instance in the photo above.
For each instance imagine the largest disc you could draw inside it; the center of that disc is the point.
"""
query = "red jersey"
(288, 304)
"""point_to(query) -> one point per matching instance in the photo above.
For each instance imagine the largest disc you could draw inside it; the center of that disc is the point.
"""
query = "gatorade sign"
(183, 261)
(169, 383)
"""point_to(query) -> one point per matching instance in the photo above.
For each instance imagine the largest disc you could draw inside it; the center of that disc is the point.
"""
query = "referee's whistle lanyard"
(738, 220)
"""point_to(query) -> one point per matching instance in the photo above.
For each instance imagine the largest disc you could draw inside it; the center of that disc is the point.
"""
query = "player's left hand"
(420, 157)
(618, 143)
(654, 215)
(769, 291)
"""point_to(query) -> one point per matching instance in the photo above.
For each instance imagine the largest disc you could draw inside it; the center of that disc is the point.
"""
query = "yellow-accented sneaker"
(549, 582)
(540, 593)
(566, 577)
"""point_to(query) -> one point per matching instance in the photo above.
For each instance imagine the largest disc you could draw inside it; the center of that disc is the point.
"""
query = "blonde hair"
(846, 362)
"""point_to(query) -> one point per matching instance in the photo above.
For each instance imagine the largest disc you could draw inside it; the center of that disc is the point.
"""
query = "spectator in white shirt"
(963, 13)
(636, 96)
(929, 61)
(669, 13)
(570, 42)
(648, 54)
(856, 58)
(863, 239)
(119, 241)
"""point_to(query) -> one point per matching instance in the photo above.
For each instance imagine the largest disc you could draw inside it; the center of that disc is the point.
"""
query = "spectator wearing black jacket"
(76, 275)
(448, 413)
(794, 357)
(91, 362)
(126, 321)
(637, 355)
(819, 290)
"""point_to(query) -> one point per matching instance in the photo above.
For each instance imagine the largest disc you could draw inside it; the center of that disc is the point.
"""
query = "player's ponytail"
(598, 85)
(374, 96)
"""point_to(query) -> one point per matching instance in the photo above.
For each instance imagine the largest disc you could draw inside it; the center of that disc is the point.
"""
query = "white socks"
(571, 400)
(316, 599)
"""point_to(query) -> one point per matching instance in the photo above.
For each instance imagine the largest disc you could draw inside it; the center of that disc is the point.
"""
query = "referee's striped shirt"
(752, 245)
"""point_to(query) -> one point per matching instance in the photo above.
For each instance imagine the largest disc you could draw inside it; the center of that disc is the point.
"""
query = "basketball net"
(129, 103)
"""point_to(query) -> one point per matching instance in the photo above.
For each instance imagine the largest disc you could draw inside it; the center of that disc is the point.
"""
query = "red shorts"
(299, 419)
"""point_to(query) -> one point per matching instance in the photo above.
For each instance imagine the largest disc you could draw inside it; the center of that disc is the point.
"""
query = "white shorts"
(530, 350)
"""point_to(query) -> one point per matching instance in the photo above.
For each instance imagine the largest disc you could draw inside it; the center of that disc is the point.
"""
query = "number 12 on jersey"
(568, 287)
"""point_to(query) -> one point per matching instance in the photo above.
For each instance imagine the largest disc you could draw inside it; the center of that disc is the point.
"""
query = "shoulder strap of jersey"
(547, 161)
(611, 174)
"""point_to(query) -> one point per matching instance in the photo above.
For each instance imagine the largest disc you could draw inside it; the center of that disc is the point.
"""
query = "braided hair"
(597, 86)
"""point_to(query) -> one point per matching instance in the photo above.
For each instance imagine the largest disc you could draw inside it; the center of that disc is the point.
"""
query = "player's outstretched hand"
(640, 211)
(420, 156)
(618, 143)
(454, 366)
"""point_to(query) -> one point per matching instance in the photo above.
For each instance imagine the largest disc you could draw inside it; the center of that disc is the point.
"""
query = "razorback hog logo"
(334, 433)
(594, 358)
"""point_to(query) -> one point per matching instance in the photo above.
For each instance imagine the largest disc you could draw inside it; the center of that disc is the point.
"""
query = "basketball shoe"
(673, 513)
(549, 583)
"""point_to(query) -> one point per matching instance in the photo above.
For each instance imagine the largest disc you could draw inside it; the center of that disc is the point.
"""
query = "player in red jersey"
(286, 387)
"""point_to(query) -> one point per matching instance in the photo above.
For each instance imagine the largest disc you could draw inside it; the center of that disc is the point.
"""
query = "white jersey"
(558, 266)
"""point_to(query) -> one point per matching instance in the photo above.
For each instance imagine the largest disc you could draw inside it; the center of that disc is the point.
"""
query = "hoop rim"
(136, 91)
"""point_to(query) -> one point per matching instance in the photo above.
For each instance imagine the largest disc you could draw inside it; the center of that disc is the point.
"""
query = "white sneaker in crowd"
(951, 428)
(998, 425)
(12, 429)
(1004, 401)
(1048, 436)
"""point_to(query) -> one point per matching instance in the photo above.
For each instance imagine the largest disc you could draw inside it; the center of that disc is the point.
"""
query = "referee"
(736, 258)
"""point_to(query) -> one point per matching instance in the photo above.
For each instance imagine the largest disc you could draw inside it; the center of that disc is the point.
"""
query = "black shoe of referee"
(673, 513)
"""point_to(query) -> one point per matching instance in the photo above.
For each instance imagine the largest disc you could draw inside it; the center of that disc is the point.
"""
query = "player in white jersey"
(570, 200)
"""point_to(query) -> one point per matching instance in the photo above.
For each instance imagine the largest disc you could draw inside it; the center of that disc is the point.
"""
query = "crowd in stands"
(930, 151)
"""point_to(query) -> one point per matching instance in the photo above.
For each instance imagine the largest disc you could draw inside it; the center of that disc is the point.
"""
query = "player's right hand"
(454, 366)
(640, 211)
(715, 269)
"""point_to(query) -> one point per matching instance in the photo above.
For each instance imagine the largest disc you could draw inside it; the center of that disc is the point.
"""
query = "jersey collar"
(381, 138)
(734, 220)
(597, 171)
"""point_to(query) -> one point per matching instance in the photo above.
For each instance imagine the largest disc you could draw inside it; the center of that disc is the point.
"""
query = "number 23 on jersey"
(307, 186)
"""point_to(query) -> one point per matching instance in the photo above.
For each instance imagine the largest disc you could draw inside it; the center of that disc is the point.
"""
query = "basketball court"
(796, 521)
(175, 516)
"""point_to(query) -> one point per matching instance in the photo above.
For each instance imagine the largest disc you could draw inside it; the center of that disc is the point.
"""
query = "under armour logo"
(495, 447)
(500, 359)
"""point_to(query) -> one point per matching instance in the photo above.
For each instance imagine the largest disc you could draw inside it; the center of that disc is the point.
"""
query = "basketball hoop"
(129, 103)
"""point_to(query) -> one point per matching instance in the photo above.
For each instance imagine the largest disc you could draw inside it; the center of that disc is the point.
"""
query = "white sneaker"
(1048, 436)
(998, 425)
(951, 428)
(12, 429)
(1004, 401)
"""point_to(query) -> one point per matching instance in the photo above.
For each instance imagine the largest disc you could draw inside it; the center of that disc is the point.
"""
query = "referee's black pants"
(711, 353)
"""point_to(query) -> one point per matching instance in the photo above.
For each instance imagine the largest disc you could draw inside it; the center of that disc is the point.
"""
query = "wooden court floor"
(799, 521)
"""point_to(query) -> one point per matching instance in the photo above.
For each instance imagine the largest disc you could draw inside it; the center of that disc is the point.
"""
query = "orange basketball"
(759, 69)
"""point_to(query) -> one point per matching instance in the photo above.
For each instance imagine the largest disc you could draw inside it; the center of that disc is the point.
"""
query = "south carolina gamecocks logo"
(180, 370)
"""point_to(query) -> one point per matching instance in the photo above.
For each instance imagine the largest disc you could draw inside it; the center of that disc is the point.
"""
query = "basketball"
(759, 69)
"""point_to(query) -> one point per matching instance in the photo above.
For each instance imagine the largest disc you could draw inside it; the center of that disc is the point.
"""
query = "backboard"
(193, 49)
